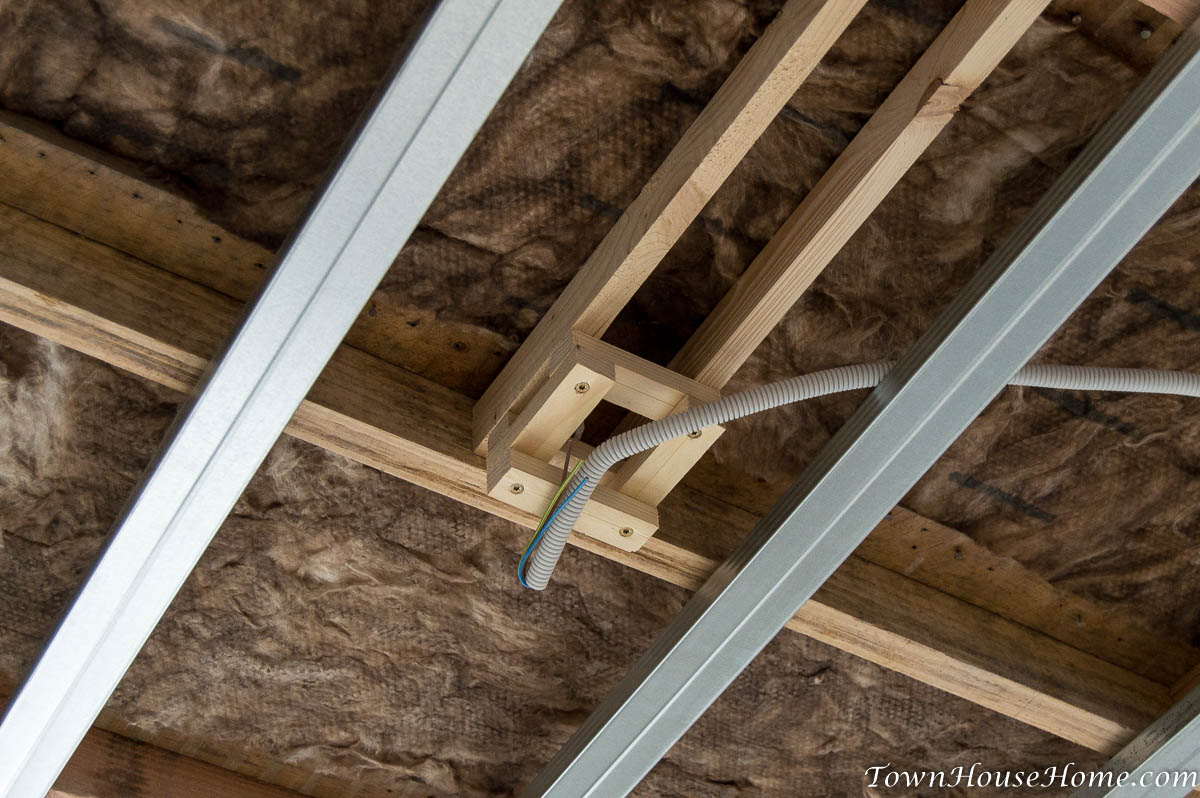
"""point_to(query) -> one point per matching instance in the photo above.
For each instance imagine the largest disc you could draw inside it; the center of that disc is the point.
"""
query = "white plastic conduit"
(797, 389)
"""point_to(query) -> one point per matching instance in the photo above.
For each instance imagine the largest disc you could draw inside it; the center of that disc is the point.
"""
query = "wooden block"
(651, 475)
(530, 483)
(750, 99)
(646, 388)
(577, 385)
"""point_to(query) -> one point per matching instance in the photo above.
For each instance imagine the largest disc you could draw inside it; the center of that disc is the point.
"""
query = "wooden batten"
(651, 475)
(765, 79)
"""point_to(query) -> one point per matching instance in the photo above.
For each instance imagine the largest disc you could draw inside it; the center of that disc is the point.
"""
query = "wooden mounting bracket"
(525, 456)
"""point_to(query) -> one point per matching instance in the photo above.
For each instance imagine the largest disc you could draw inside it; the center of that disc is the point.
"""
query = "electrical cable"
(546, 516)
(551, 536)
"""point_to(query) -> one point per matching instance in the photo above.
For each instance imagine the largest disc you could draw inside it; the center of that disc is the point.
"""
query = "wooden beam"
(108, 200)
(1184, 12)
(956, 646)
(107, 765)
(961, 57)
(579, 383)
(949, 562)
(652, 475)
(764, 80)
(140, 318)
(924, 102)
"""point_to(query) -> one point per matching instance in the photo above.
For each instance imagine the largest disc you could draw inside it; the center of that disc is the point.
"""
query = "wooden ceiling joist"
(921, 105)
(924, 102)
(107, 764)
(60, 282)
(765, 79)
(100, 261)
(110, 306)
(115, 759)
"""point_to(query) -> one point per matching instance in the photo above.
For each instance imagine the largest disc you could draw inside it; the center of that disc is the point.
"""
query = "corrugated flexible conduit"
(550, 540)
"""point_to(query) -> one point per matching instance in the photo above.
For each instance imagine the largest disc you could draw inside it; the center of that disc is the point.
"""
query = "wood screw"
(582, 387)
(517, 488)
(625, 532)
(694, 434)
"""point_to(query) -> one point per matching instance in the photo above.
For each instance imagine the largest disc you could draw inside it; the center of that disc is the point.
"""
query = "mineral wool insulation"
(351, 623)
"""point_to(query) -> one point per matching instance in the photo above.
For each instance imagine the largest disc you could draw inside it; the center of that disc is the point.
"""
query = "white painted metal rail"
(406, 146)
(1126, 178)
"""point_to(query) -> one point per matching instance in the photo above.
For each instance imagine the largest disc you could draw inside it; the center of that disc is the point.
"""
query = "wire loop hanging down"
(548, 541)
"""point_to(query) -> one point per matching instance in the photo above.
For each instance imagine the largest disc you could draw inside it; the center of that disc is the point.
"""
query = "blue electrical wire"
(541, 531)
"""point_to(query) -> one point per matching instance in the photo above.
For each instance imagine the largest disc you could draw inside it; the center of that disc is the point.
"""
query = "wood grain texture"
(951, 644)
(950, 562)
(650, 476)
(755, 92)
(128, 313)
(105, 199)
(1184, 12)
(618, 520)
(566, 399)
(116, 760)
(957, 62)
(107, 765)
(642, 387)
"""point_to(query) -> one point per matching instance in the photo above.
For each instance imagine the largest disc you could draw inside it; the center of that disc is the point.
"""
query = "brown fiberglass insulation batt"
(346, 621)
(242, 107)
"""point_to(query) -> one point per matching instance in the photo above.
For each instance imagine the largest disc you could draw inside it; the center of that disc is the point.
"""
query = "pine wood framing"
(107, 764)
(584, 372)
(95, 259)
(907, 122)
(762, 83)
(137, 316)
(924, 102)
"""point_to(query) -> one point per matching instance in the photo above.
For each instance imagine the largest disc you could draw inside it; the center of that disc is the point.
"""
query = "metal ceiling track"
(1161, 762)
(1122, 182)
(406, 146)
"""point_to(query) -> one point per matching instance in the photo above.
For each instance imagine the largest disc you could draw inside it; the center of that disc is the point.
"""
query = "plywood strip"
(135, 316)
(762, 83)
(962, 56)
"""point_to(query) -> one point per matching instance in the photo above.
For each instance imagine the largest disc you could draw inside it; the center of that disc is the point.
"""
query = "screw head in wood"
(1077, 19)
(582, 387)
(694, 434)
(517, 488)
(625, 532)
(1146, 32)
